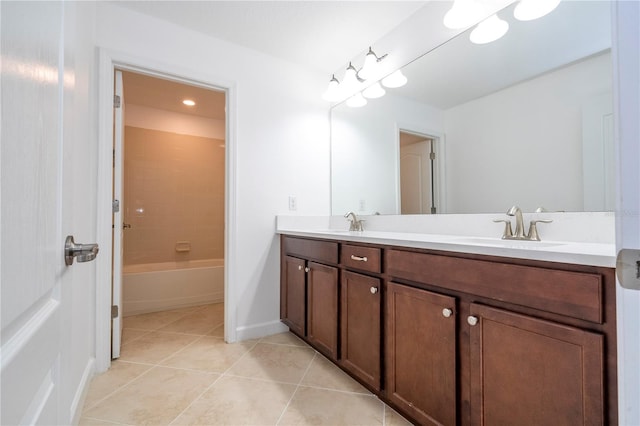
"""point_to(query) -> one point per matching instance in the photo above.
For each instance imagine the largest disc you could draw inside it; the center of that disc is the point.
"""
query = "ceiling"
(168, 95)
(323, 35)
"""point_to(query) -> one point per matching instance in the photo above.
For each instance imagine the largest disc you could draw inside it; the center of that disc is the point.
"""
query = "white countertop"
(581, 253)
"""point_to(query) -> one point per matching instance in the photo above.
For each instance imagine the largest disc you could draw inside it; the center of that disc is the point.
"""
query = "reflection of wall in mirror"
(513, 146)
(364, 152)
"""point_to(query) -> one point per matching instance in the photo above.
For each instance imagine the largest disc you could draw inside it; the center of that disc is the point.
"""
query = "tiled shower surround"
(173, 193)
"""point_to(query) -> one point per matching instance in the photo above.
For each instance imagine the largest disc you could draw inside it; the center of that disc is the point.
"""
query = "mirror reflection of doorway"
(417, 173)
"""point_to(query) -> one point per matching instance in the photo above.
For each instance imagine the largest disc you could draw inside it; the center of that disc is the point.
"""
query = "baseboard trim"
(260, 330)
(75, 411)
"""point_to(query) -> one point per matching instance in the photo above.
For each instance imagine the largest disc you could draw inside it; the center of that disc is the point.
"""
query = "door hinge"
(432, 156)
(116, 101)
(114, 311)
(116, 206)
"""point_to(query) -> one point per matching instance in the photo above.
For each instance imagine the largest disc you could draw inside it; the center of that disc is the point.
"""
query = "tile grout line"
(220, 376)
(295, 391)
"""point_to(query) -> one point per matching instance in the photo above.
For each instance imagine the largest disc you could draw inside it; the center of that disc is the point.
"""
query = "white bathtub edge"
(257, 331)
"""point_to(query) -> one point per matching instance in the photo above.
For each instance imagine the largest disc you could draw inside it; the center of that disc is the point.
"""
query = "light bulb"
(189, 102)
(463, 14)
(489, 30)
(528, 10)
(396, 79)
(374, 91)
(370, 64)
(332, 94)
(350, 81)
(356, 101)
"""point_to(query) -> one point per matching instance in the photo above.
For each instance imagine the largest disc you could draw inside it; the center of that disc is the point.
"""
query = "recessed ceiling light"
(188, 102)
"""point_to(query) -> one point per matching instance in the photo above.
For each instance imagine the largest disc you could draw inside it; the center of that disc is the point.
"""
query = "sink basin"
(497, 242)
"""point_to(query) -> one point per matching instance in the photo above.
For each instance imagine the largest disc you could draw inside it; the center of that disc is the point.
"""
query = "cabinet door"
(322, 308)
(526, 371)
(293, 297)
(360, 326)
(420, 353)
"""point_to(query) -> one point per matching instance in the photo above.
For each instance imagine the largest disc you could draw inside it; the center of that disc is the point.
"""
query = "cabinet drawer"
(362, 258)
(568, 293)
(322, 251)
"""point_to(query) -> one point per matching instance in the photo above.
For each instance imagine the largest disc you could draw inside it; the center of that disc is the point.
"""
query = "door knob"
(84, 252)
(373, 290)
(446, 312)
(472, 320)
(126, 225)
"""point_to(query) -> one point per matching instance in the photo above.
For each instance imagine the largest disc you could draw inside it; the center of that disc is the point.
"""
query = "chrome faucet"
(519, 234)
(517, 212)
(355, 224)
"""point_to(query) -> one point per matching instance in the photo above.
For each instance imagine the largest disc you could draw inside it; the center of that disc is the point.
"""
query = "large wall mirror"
(524, 120)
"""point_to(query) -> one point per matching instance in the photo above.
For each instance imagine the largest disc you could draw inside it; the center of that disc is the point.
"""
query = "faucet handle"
(507, 228)
(533, 229)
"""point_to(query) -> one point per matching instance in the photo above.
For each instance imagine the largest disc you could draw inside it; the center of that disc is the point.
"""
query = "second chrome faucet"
(519, 234)
(355, 224)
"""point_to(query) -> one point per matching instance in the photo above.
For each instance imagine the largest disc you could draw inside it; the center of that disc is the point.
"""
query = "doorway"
(173, 203)
(417, 173)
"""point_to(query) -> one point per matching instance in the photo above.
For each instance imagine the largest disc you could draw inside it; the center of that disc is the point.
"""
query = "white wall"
(506, 137)
(365, 150)
(281, 143)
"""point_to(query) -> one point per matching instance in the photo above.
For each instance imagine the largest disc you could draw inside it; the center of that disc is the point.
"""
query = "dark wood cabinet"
(527, 371)
(322, 308)
(360, 326)
(421, 353)
(459, 339)
(293, 294)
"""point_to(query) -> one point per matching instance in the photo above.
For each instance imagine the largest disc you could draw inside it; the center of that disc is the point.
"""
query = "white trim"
(626, 72)
(108, 61)
(80, 396)
(260, 330)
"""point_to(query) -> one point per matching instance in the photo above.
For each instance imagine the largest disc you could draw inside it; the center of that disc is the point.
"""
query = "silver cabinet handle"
(84, 252)
(373, 290)
(358, 258)
(472, 320)
(446, 312)
(299, 268)
(306, 269)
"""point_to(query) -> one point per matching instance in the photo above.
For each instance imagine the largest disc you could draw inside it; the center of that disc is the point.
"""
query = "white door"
(118, 214)
(39, 208)
(626, 42)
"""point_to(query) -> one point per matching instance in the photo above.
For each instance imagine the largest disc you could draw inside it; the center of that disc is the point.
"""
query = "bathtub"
(161, 286)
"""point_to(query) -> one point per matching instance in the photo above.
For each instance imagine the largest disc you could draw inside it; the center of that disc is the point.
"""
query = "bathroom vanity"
(450, 336)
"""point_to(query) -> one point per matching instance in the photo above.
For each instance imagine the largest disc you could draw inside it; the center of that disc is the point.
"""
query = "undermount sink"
(496, 242)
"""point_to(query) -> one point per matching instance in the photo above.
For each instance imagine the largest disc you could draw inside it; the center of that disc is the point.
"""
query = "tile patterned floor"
(176, 369)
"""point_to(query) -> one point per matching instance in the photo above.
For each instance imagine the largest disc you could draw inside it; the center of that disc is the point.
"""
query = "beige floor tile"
(324, 374)
(154, 347)
(311, 406)
(120, 373)
(217, 332)
(130, 334)
(199, 322)
(154, 398)
(85, 421)
(238, 401)
(154, 320)
(274, 362)
(287, 338)
(209, 354)
(391, 418)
